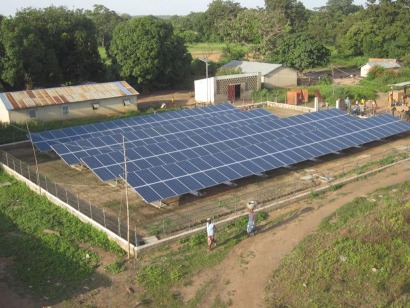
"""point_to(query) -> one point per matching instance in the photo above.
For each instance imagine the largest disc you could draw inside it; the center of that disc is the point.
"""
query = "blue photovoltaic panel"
(220, 143)
(300, 149)
(80, 149)
(44, 140)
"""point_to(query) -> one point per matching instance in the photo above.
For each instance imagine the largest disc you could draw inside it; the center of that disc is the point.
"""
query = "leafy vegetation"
(60, 46)
(359, 256)
(47, 244)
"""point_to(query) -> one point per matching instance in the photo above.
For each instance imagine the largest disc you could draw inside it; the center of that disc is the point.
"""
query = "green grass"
(103, 54)
(206, 47)
(53, 265)
(164, 273)
(359, 256)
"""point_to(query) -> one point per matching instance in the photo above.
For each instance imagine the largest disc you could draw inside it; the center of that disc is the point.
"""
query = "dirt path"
(241, 278)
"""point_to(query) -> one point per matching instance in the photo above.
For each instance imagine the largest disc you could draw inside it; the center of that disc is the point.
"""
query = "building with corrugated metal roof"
(373, 62)
(272, 75)
(65, 103)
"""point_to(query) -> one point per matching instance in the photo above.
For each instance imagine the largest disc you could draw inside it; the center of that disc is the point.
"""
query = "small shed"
(272, 75)
(386, 63)
(71, 102)
(227, 88)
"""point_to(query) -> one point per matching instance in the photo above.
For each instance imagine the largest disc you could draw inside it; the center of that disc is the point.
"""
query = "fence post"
(66, 196)
(14, 165)
(91, 212)
(7, 160)
(135, 236)
(21, 168)
(28, 170)
(105, 225)
(45, 181)
(119, 227)
(78, 203)
(55, 186)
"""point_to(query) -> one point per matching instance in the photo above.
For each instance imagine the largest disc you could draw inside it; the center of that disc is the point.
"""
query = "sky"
(138, 7)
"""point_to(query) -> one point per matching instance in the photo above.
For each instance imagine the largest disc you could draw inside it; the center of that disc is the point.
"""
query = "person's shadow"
(294, 216)
(265, 228)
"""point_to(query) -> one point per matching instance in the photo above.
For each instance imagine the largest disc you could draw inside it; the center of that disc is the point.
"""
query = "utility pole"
(126, 198)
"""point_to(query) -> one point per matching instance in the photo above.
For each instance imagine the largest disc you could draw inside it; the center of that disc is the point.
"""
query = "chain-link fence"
(232, 204)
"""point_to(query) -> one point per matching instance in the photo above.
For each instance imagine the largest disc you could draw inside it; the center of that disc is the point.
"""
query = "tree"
(48, 47)
(295, 12)
(301, 51)
(379, 31)
(219, 12)
(148, 52)
(105, 21)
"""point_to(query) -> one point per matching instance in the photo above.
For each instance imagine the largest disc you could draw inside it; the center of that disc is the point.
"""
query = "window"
(127, 102)
(65, 109)
(32, 113)
(95, 106)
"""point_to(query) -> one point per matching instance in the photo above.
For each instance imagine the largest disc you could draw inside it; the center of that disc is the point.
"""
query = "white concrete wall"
(201, 90)
(364, 70)
(4, 114)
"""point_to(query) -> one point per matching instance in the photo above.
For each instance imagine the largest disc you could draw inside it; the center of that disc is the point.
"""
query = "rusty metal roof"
(63, 95)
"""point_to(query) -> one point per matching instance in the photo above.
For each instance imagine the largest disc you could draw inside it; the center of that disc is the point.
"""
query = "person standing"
(210, 230)
(250, 228)
(374, 107)
(347, 104)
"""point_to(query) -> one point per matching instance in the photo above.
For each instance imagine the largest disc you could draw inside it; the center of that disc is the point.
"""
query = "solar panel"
(72, 153)
(44, 140)
(184, 149)
(326, 143)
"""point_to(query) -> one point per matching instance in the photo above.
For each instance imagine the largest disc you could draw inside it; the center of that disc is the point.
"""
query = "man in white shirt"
(210, 230)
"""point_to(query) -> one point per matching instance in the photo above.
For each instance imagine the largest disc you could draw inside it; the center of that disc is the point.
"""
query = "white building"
(272, 75)
(386, 63)
(227, 88)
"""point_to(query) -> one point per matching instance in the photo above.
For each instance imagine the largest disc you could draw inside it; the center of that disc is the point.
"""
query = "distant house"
(272, 75)
(386, 63)
(227, 88)
(67, 102)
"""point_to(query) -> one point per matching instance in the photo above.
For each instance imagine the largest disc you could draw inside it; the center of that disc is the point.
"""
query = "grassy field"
(50, 248)
(359, 256)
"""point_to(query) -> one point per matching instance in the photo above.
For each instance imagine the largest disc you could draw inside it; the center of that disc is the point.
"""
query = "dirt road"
(242, 277)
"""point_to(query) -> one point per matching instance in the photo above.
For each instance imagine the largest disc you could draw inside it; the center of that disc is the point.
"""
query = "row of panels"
(44, 140)
(110, 166)
(73, 152)
(182, 177)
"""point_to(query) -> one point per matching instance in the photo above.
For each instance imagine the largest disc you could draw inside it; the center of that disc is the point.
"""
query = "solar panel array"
(174, 153)
(73, 152)
(109, 166)
(178, 178)
(44, 140)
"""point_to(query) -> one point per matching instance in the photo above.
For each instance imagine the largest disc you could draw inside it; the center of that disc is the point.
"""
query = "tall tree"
(301, 51)
(105, 21)
(48, 47)
(148, 52)
(294, 11)
(220, 11)
(379, 31)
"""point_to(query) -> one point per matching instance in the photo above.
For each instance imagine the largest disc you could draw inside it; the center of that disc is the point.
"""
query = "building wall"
(248, 85)
(4, 114)
(77, 110)
(364, 70)
(201, 89)
(282, 77)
